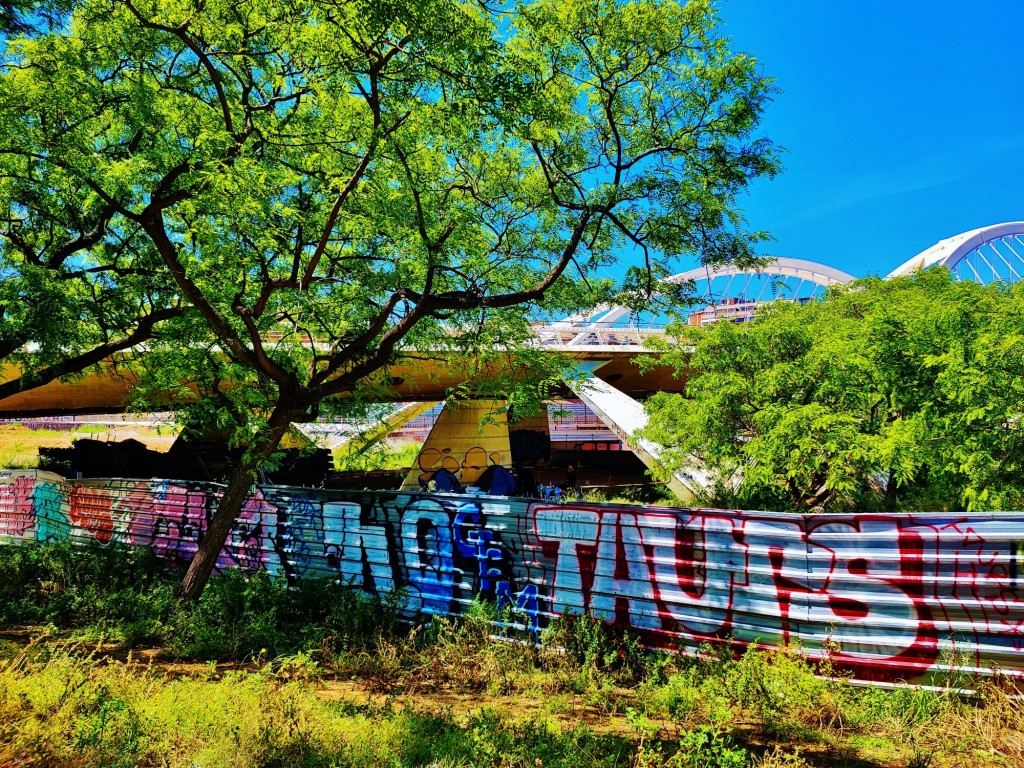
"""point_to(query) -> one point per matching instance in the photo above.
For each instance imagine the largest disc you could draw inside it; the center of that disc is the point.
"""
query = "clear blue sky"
(903, 122)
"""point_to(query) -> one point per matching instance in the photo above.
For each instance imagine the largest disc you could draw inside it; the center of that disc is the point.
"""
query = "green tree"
(888, 393)
(333, 184)
(78, 284)
(76, 288)
(23, 17)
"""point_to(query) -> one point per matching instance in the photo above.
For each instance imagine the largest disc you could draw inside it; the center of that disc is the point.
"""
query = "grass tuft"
(325, 675)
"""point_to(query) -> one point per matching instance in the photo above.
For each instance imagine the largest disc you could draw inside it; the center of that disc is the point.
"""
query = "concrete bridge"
(604, 343)
(414, 377)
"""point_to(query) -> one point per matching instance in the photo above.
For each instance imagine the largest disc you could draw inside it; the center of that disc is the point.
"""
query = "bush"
(242, 615)
(599, 649)
(708, 747)
(76, 586)
(127, 595)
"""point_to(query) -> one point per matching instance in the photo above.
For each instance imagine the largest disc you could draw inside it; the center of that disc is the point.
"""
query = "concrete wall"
(896, 597)
(465, 440)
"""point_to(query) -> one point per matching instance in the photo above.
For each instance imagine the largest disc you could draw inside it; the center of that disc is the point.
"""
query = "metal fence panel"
(890, 597)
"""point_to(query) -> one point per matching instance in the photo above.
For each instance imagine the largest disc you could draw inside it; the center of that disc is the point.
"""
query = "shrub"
(598, 649)
(75, 586)
(125, 594)
(708, 747)
(243, 615)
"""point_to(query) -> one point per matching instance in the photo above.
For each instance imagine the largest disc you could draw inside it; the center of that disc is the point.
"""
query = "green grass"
(644, 494)
(332, 677)
(382, 455)
(70, 711)
(90, 429)
(19, 445)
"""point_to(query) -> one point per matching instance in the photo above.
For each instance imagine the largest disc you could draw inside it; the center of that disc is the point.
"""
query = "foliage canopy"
(899, 393)
(327, 185)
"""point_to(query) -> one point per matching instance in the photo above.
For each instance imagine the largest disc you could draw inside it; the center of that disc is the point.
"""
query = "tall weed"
(127, 595)
(598, 650)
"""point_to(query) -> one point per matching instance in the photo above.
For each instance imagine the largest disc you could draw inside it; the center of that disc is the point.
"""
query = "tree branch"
(143, 331)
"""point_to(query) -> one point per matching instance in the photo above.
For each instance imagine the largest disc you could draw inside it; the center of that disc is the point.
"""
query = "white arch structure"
(986, 255)
(727, 292)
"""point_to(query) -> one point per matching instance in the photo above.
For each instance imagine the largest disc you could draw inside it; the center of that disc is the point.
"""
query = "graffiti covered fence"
(891, 597)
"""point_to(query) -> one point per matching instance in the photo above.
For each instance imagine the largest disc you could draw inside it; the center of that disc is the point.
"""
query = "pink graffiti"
(172, 519)
(169, 518)
(248, 546)
(16, 511)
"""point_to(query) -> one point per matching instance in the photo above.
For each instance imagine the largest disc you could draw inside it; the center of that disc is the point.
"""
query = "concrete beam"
(626, 417)
(365, 434)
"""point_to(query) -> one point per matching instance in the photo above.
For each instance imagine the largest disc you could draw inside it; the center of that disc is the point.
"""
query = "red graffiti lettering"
(91, 510)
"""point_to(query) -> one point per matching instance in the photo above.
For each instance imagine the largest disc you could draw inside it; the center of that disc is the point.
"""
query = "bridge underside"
(108, 390)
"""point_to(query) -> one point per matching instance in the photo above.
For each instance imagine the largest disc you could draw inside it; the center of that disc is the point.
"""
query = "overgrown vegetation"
(889, 394)
(19, 447)
(382, 455)
(637, 494)
(124, 595)
(19, 444)
(327, 676)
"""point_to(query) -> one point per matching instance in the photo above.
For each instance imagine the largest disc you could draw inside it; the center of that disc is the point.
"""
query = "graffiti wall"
(891, 597)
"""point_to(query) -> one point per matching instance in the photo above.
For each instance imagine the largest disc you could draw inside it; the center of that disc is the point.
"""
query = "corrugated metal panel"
(891, 597)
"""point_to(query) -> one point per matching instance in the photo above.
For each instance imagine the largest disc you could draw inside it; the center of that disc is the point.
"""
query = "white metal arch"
(987, 254)
(805, 271)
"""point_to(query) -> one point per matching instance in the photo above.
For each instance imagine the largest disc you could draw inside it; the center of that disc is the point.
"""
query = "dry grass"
(443, 692)
(19, 445)
(456, 697)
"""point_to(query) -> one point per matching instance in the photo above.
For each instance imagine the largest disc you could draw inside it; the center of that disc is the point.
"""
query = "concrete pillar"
(460, 443)
(530, 438)
(366, 435)
(625, 417)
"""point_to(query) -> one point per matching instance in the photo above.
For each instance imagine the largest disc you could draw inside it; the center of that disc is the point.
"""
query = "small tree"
(889, 393)
(331, 184)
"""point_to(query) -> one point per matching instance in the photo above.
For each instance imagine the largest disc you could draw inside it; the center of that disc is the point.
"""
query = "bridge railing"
(576, 334)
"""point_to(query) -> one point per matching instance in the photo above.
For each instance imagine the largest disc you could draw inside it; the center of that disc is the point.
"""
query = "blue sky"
(903, 122)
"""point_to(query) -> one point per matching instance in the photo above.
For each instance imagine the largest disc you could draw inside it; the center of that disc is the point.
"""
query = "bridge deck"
(107, 389)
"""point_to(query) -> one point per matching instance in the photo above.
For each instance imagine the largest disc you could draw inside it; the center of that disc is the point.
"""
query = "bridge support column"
(462, 444)
(530, 439)
(362, 439)
(625, 417)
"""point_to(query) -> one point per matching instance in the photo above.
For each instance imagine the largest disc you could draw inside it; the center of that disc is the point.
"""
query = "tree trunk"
(235, 495)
